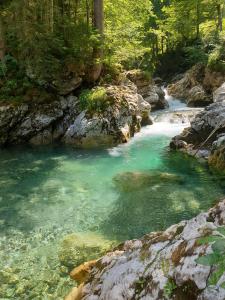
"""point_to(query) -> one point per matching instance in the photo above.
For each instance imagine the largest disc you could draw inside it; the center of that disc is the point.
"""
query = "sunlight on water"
(93, 198)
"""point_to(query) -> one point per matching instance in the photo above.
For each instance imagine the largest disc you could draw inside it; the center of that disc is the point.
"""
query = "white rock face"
(62, 120)
(143, 269)
(219, 94)
(191, 87)
(208, 125)
(117, 123)
(146, 87)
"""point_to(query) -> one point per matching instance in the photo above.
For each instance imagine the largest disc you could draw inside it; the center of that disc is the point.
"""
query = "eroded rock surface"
(117, 123)
(197, 86)
(63, 120)
(206, 136)
(148, 89)
(41, 123)
(161, 265)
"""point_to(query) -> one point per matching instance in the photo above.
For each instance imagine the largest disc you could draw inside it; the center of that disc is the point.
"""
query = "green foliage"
(169, 288)
(217, 257)
(216, 61)
(94, 100)
(195, 54)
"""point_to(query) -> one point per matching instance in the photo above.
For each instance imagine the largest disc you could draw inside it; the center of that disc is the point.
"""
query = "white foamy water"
(168, 122)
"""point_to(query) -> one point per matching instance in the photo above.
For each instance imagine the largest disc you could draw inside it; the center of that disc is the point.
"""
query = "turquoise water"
(49, 193)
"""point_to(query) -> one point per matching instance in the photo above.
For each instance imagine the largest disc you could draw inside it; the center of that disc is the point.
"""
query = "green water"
(48, 193)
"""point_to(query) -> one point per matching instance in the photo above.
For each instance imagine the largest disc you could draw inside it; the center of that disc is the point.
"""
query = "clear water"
(48, 193)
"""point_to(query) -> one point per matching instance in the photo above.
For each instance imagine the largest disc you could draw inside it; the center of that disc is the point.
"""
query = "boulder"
(173, 264)
(62, 120)
(155, 96)
(65, 88)
(132, 181)
(36, 123)
(205, 136)
(219, 94)
(191, 88)
(116, 122)
(197, 97)
(148, 89)
(80, 247)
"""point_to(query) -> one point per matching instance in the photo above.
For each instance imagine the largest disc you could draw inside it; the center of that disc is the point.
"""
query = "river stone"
(80, 247)
(149, 267)
(132, 181)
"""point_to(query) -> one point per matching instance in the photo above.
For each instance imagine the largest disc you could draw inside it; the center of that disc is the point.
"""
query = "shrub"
(94, 100)
(215, 61)
(195, 54)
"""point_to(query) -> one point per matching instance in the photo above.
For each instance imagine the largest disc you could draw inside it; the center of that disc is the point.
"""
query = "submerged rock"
(130, 181)
(161, 265)
(80, 247)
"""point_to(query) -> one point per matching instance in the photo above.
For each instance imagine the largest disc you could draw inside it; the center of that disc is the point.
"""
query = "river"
(52, 195)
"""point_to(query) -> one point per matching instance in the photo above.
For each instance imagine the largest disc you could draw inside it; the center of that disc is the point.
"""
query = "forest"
(47, 42)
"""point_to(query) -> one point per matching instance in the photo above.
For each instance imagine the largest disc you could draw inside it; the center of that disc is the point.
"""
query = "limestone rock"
(219, 94)
(40, 123)
(114, 124)
(80, 247)
(161, 265)
(129, 181)
(156, 97)
(205, 136)
(191, 88)
(63, 121)
(146, 87)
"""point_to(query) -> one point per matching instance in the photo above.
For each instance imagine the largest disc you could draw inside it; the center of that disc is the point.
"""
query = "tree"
(98, 23)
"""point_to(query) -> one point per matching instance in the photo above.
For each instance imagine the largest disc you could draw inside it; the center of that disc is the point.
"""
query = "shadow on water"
(158, 203)
(21, 171)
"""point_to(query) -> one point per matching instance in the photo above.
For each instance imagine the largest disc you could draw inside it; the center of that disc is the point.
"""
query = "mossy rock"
(78, 248)
(130, 181)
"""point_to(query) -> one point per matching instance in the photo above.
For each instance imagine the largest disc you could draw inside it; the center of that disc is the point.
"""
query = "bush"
(195, 54)
(94, 100)
(215, 61)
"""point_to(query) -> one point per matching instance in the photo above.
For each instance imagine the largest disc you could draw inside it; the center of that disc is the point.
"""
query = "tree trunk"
(2, 40)
(220, 17)
(98, 23)
(197, 19)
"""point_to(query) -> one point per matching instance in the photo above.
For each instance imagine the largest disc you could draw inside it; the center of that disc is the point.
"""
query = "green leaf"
(209, 260)
(216, 275)
(219, 246)
(221, 230)
(208, 239)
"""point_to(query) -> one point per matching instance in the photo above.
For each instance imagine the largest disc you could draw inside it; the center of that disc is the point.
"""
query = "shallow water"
(48, 193)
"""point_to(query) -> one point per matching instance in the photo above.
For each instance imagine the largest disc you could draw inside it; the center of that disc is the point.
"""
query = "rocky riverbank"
(183, 262)
(196, 86)
(113, 118)
(206, 135)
